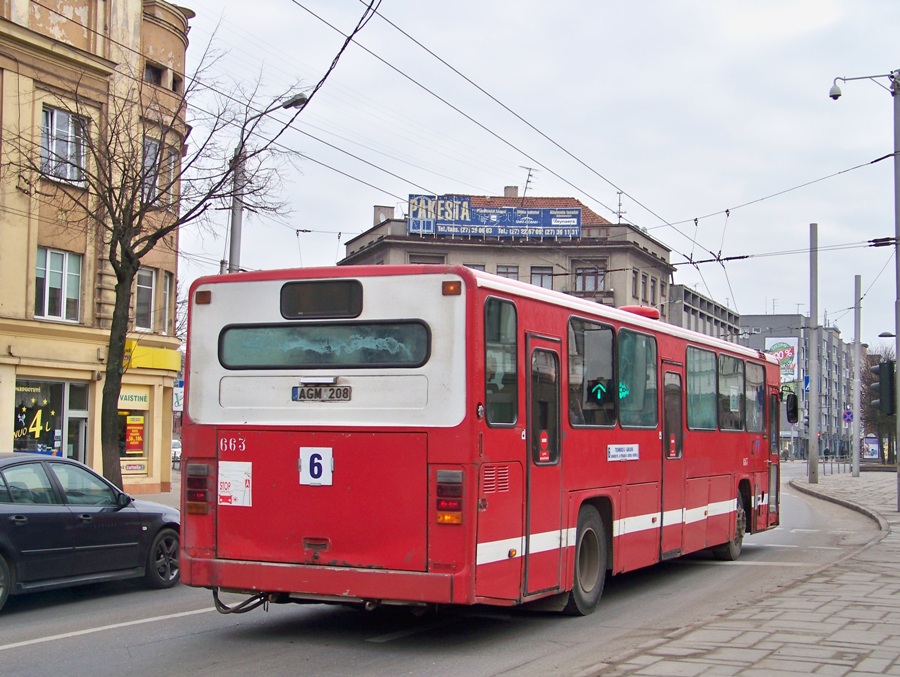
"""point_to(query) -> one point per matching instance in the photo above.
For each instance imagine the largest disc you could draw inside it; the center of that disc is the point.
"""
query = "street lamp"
(835, 93)
(237, 193)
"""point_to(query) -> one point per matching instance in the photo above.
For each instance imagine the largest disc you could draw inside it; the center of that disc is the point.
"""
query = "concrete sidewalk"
(843, 620)
(171, 498)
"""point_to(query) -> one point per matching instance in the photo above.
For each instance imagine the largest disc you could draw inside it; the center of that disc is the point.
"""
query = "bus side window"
(592, 389)
(638, 389)
(500, 373)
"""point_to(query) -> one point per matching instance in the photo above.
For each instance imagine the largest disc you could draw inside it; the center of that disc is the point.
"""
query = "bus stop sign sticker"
(235, 483)
(316, 464)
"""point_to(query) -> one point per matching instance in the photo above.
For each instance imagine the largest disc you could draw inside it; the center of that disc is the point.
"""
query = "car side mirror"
(122, 500)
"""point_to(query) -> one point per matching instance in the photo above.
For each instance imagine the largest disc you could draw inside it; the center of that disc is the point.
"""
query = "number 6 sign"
(316, 464)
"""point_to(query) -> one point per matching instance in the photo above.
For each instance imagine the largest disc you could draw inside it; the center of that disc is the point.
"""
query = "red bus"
(430, 435)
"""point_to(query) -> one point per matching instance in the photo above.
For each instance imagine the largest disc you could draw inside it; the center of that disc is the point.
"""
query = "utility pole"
(814, 341)
(857, 322)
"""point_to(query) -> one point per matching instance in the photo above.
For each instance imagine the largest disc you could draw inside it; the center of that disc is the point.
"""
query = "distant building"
(556, 243)
(692, 310)
(788, 335)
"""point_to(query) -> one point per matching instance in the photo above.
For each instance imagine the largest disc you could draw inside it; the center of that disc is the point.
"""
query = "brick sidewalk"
(843, 620)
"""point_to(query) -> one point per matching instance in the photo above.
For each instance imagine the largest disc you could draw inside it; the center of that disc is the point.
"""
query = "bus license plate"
(321, 393)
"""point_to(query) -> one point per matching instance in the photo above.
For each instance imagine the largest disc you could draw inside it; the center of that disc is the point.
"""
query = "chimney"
(510, 191)
(383, 214)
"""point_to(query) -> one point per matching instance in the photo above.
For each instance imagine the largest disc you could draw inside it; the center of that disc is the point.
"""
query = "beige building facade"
(58, 57)
(613, 264)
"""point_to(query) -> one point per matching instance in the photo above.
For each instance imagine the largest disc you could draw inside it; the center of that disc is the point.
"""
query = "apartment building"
(553, 242)
(67, 65)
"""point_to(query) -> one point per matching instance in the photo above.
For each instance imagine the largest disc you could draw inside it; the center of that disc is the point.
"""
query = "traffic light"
(883, 394)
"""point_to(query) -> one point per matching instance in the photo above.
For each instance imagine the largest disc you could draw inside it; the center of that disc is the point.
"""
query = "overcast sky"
(690, 108)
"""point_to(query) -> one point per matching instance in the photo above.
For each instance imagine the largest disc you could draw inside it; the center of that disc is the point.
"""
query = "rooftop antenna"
(620, 211)
(527, 183)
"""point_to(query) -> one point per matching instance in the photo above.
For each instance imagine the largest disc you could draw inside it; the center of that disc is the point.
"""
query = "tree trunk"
(112, 385)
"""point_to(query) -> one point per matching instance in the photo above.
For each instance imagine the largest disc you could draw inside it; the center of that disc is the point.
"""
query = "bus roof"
(491, 282)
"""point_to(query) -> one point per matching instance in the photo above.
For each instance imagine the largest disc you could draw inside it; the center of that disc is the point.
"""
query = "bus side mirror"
(791, 407)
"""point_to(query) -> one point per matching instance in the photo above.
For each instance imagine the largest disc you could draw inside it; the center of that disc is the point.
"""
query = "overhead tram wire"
(481, 125)
(716, 258)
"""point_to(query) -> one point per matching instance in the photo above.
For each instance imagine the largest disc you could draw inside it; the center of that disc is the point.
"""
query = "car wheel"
(5, 580)
(162, 560)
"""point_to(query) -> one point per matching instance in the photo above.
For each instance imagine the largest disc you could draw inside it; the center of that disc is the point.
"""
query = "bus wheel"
(590, 563)
(729, 552)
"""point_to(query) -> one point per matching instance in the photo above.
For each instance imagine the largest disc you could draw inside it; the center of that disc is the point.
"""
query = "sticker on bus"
(321, 393)
(235, 483)
(623, 452)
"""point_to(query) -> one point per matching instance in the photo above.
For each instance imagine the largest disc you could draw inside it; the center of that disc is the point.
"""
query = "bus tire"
(730, 551)
(590, 563)
(162, 560)
(6, 581)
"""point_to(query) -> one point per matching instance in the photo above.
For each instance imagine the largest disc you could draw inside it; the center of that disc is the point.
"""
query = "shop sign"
(134, 397)
(134, 435)
(134, 467)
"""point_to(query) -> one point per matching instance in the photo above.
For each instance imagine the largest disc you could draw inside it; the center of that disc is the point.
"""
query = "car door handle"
(18, 519)
(86, 518)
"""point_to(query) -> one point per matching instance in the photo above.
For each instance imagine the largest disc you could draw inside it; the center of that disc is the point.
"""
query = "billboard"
(785, 350)
(455, 215)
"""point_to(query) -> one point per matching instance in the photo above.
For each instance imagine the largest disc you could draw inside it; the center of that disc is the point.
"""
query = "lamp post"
(835, 93)
(237, 193)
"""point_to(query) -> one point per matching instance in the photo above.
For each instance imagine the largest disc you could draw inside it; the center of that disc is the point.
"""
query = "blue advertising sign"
(455, 215)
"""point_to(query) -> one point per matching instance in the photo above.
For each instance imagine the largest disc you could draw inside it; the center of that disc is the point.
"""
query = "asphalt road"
(122, 629)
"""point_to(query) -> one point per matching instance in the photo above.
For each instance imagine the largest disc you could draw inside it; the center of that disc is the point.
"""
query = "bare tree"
(122, 171)
(130, 169)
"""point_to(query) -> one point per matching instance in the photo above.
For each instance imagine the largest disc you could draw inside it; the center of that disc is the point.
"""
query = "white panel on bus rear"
(369, 391)
(429, 395)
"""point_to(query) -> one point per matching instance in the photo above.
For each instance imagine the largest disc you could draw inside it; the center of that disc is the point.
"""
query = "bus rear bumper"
(320, 583)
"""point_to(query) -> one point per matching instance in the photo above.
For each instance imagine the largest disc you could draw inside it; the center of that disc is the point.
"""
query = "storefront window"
(38, 425)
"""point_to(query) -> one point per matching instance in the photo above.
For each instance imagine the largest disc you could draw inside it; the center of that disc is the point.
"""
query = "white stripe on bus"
(512, 548)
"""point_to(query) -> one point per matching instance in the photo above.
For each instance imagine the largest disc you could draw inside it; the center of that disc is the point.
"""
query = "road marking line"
(90, 631)
(740, 563)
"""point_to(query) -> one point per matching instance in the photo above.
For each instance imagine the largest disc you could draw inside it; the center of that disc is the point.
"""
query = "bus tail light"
(197, 490)
(449, 496)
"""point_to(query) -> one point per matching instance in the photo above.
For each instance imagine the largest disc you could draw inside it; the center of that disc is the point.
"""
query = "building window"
(634, 283)
(168, 288)
(430, 259)
(57, 292)
(153, 74)
(512, 272)
(143, 309)
(158, 173)
(62, 145)
(475, 266)
(542, 276)
(591, 279)
(643, 288)
(653, 291)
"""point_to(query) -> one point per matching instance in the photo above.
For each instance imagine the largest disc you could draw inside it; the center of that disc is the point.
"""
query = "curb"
(868, 512)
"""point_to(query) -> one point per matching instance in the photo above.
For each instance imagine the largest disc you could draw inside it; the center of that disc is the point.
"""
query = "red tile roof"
(588, 216)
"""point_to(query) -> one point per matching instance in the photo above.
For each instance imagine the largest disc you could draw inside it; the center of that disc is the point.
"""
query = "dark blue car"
(62, 524)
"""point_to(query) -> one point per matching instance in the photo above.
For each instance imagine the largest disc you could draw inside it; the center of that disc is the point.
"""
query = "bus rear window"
(319, 346)
(321, 298)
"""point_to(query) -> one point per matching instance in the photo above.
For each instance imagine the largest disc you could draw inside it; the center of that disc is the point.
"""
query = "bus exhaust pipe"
(371, 606)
